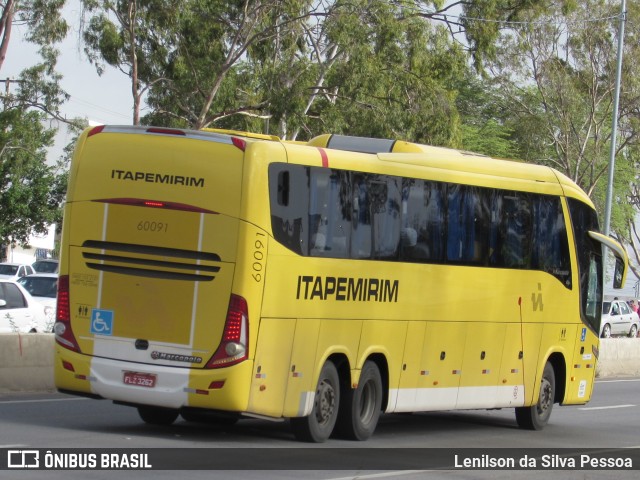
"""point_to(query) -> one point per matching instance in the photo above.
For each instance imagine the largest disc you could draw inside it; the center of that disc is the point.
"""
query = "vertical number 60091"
(258, 257)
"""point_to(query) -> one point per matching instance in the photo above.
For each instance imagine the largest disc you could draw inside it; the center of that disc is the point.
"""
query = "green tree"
(292, 66)
(39, 85)
(483, 116)
(31, 191)
(187, 55)
(209, 75)
(394, 76)
(131, 36)
(353, 67)
(557, 74)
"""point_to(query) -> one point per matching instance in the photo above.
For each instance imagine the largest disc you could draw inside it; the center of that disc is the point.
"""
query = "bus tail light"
(234, 345)
(239, 143)
(96, 130)
(141, 202)
(62, 327)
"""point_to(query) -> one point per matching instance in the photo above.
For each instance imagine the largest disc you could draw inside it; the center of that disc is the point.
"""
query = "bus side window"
(422, 221)
(512, 231)
(385, 194)
(329, 213)
(481, 224)
(550, 244)
(413, 233)
(361, 218)
(467, 224)
(289, 202)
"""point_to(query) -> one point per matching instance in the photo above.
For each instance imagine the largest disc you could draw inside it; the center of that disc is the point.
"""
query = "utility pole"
(7, 83)
(614, 127)
(7, 93)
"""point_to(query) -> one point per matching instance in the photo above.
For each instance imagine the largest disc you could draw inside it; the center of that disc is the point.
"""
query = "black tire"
(158, 415)
(606, 331)
(211, 418)
(537, 416)
(633, 333)
(318, 426)
(360, 408)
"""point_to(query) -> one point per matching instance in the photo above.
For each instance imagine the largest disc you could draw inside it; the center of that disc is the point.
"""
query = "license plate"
(140, 379)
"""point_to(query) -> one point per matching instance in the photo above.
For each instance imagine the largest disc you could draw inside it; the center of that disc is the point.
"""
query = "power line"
(98, 107)
(460, 18)
(534, 22)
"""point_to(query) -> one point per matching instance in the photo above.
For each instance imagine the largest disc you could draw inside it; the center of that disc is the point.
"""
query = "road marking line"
(620, 380)
(6, 402)
(606, 408)
(15, 445)
(383, 475)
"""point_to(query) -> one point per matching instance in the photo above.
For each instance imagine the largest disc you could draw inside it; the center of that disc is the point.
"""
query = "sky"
(102, 99)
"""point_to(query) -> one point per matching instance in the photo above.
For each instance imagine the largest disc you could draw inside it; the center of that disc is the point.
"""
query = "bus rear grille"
(151, 250)
(107, 260)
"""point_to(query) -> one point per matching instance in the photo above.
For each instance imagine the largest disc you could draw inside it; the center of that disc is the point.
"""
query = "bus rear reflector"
(62, 328)
(234, 345)
(68, 366)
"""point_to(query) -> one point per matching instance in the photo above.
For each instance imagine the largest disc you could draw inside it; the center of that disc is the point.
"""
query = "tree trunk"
(5, 27)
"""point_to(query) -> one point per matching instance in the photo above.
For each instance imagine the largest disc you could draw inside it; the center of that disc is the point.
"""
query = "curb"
(26, 361)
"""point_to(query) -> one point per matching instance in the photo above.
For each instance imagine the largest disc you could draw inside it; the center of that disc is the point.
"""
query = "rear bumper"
(219, 389)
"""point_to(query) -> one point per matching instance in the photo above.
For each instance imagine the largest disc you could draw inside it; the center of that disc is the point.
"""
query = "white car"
(43, 287)
(47, 265)
(19, 312)
(14, 271)
(618, 319)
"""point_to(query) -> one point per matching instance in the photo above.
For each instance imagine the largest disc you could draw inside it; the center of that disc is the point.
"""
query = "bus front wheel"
(361, 407)
(318, 426)
(536, 416)
(158, 415)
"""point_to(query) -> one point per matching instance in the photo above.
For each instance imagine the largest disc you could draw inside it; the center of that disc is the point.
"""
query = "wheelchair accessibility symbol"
(101, 322)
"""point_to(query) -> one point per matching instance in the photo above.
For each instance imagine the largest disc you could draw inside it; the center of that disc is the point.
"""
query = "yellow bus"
(221, 275)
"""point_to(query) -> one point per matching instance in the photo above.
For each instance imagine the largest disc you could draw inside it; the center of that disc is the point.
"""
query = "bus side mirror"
(622, 259)
(618, 274)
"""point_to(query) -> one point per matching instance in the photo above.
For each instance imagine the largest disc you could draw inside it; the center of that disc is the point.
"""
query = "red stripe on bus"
(323, 155)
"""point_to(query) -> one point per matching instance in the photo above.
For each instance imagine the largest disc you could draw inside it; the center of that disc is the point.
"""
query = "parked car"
(48, 265)
(19, 312)
(618, 319)
(14, 271)
(43, 287)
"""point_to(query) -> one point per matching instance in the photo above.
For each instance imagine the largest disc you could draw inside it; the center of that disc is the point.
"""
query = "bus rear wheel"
(536, 416)
(158, 415)
(318, 426)
(361, 407)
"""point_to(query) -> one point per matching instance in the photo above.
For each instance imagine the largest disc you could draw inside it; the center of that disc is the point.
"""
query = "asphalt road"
(611, 421)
